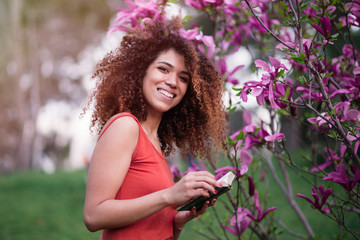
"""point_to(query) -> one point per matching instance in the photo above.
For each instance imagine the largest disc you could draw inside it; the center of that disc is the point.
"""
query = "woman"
(155, 92)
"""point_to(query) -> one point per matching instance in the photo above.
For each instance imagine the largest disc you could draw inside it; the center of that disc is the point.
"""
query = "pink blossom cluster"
(243, 217)
(320, 196)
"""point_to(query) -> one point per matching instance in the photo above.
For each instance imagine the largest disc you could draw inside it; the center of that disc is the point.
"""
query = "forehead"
(172, 57)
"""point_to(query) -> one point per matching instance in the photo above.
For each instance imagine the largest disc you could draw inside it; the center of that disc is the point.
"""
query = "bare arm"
(109, 165)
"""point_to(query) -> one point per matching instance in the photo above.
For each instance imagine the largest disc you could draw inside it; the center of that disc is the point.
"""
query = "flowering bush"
(309, 74)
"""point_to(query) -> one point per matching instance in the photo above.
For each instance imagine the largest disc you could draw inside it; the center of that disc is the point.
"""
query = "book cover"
(198, 202)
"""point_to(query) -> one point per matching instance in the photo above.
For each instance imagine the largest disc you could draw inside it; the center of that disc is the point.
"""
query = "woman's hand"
(194, 184)
(182, 217)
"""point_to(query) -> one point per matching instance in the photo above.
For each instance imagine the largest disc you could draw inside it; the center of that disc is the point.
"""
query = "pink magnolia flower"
(228, 74)
(351, 137)
(245, 160)
(354, 17)
(193, 167)
(251, 186)
(175, 171)
(239, 223)
(138, 9)
(268, 80)
(332, 157)
(275, 137)
(260, 215)
(342, 178)
(345, 113)
(357, 71)
(200, 4)
(314, 95)
(321, 120)
(317, 203)
(325, 28)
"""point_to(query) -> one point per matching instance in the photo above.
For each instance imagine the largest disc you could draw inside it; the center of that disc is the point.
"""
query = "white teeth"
(167, 94)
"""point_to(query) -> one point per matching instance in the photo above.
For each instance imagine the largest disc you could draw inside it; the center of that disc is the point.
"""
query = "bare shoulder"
(120, 132)
(123, 125)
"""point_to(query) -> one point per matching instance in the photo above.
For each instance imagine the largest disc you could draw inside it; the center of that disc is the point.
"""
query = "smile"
(166, 93)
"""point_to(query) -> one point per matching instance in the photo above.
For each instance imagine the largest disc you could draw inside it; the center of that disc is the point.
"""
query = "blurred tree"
(39, 41)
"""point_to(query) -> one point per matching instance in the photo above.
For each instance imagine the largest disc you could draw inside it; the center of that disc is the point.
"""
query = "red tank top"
(148, 172)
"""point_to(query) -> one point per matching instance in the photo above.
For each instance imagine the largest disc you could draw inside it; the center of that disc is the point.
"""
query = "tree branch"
(267, 29)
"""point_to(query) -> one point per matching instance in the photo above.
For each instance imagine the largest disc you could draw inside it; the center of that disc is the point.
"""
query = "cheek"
(184, 89)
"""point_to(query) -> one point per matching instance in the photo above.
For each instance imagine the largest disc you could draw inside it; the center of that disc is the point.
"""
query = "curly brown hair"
(196, 124)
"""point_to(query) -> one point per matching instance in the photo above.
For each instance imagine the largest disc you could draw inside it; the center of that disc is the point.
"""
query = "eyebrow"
(171, 66)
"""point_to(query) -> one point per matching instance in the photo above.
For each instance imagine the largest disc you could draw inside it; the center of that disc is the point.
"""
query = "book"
(226, 182)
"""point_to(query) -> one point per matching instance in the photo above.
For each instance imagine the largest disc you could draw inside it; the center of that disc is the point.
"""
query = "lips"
(166, 93)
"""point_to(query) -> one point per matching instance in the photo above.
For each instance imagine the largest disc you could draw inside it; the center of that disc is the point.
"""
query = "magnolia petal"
(236, 69)
(352, 114)
(319, 29)
(277, 136)
(321, 167)
(266, 213)
(357, 71)
(256, 91)
(245, 161)
(230, 230)
(325, 210)
(263, 65)
(276, 63)
(247, 116)
(249, 128)
(260, 100)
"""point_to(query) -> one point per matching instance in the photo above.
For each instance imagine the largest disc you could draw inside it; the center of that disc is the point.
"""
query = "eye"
(163, 69)
(184, 79)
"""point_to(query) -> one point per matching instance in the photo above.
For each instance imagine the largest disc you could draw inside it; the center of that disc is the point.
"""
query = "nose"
(171, 80)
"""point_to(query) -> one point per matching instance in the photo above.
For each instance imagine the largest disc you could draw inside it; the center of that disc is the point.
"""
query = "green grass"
(35, 205)
(38, 206)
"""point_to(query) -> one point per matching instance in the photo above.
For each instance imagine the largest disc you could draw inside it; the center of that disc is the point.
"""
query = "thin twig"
(220, 223)
(267, 29)
(289, 198)
(294, 234)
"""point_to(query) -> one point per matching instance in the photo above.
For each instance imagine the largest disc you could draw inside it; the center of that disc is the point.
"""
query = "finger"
(209, 178)
(202, 176)
(203, 208)
(203, 186)
(193, 212)
(212, 203)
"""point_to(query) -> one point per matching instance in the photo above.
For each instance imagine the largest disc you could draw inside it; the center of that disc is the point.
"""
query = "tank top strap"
(113, 118)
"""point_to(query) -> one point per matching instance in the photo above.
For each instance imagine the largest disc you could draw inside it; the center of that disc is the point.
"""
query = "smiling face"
(165, 82)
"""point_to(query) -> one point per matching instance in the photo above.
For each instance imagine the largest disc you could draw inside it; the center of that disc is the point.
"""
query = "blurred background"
(48, 50)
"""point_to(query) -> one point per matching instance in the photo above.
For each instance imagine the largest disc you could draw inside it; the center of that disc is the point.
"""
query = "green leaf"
(333, 112)
(298, 58)
(229, 141)
(284, 6)
(237, 89)
(231, 109)
(287, 93)
(301, 79)
(280, 73)
(283, 112)
(323, 105)
(186, 18)
(240, 136)
(304, 18)
(332, 135)
(304, 5)
(335, 35)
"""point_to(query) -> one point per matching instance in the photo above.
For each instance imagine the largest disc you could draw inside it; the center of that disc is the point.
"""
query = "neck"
(151, 124)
